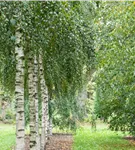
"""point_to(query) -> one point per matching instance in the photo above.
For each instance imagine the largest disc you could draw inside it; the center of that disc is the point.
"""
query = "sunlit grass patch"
(104, 139)
(84, 139)
(7, 136)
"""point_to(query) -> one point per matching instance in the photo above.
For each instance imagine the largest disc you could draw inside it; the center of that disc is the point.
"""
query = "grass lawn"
(7, 136)
(84, 139)
(102, 139)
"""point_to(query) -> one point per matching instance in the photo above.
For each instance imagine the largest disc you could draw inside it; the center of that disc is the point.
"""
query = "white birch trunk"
(32, 104)
(19, 91)
(50, 126)
(44, 97)
(36, 102)
(46, 117)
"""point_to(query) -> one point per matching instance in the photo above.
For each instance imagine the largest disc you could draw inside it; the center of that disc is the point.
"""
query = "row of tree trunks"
(33, 95)
(33, 98)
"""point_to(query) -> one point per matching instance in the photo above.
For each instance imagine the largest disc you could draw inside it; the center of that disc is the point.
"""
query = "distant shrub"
(10, 115)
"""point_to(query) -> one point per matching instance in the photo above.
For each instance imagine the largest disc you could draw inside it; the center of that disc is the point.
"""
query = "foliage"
(65, 109)
(69, 76)
(65, 57)
(90, 103)
(61, 39)
(115, 65)
(63, 33)
(10, 115)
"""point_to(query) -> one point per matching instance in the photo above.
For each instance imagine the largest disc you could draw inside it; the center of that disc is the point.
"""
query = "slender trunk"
(32, 105)
(44, 97)
(19, 91)
(0, 101)
(3, 113)
(50, 126)
(36, 102)
(46, 117)
(92, 98)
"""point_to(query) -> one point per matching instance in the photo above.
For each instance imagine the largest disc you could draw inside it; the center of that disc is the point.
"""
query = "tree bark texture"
(32, 103)
(50, 126)
(19, 90)
(36, 102)
(44, 97)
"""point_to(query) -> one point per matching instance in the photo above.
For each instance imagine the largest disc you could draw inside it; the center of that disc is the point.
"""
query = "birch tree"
(36, 101)
(19, 88)
(44, 97)
(32, 103)
(61, 32)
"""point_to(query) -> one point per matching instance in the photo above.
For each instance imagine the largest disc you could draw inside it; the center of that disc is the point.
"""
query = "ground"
(84, 139)
(60, 142)
(56, 142)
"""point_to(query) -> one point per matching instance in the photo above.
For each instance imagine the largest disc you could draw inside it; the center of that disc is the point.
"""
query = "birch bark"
(19, 90)
(44, 97)
(32, 104)
(36, 102)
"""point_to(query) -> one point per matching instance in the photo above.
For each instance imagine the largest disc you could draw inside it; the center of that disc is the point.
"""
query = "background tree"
(115, 65)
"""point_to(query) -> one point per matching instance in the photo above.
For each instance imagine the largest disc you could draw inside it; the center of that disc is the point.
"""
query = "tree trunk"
(0, 103)
(32, 95)
(19, 91)
(46, 117)
(44, 97)
(50, 126)
(36, 102)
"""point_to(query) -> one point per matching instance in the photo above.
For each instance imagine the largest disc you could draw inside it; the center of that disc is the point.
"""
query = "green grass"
(7, 136)
(84, 139)
(102, 139)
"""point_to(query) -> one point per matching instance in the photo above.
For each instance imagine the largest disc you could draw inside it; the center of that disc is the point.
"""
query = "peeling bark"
(19, 91)
(36, 102)
(44, 97)
(32, 104)
(50, 127)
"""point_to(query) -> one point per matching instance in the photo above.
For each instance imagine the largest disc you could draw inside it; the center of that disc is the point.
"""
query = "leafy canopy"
(116, 65)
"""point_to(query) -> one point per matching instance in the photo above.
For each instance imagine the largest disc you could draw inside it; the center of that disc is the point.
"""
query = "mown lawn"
(7, 136)
(102, 139)
(84, 139)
